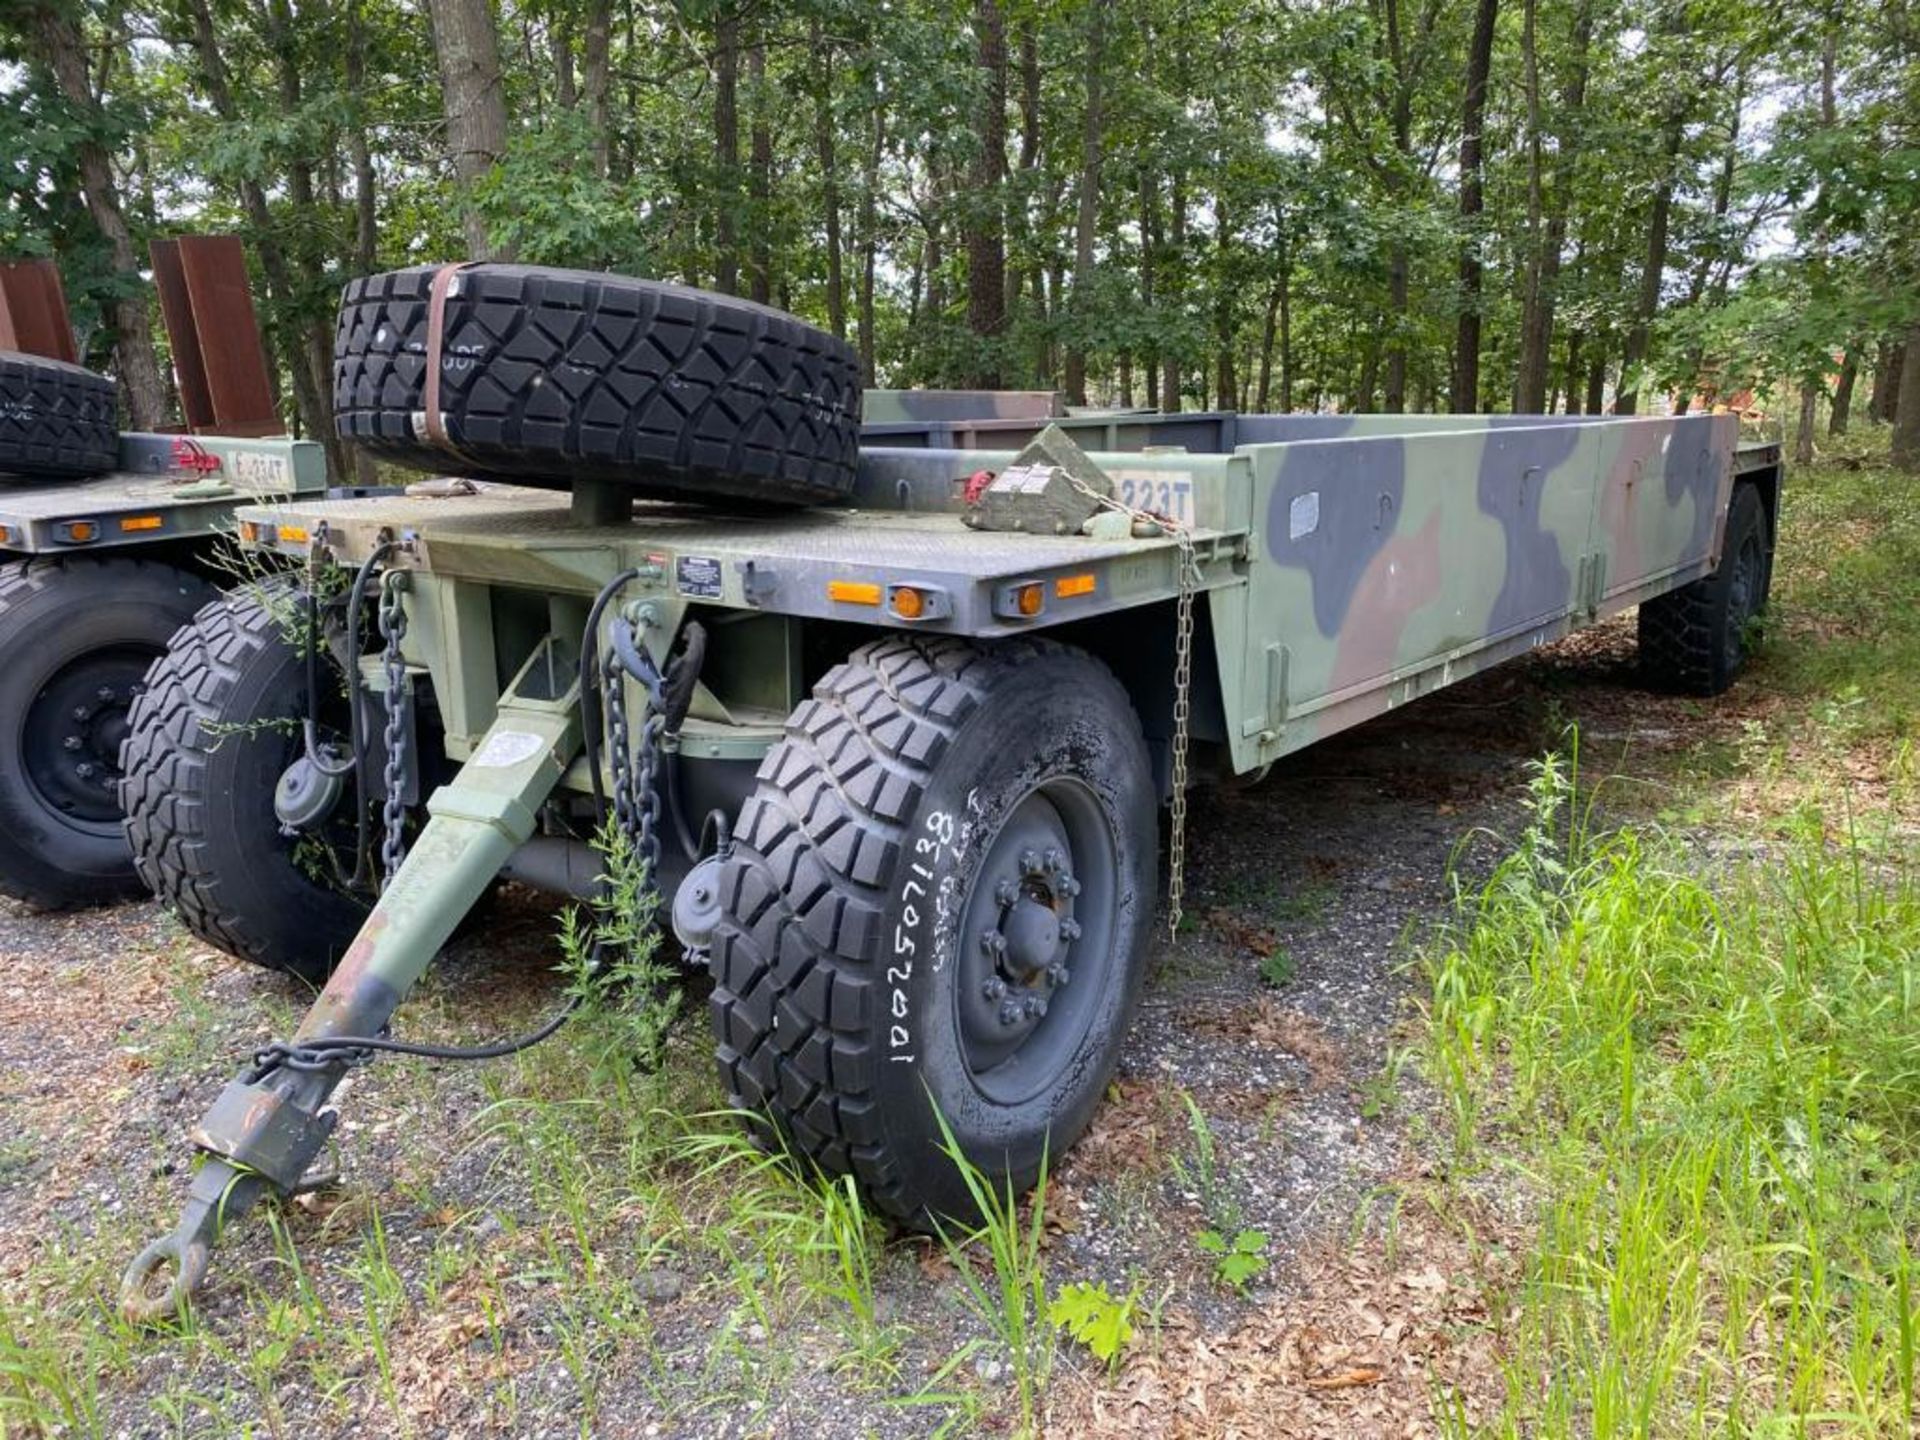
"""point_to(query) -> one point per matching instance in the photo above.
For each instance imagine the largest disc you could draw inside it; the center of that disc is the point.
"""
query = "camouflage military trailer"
(896, 757)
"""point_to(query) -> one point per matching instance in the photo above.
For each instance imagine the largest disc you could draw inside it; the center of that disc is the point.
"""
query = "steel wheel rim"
(1036, 941)
(75, 723)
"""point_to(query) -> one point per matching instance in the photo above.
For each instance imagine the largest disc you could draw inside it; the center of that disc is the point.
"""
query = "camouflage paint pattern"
(1395, 554)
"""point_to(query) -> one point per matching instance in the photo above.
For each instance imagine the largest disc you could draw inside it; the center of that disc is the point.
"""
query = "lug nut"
(1052, 862)
(84, 770)
(105, 692)
(1006, 892)
(1010, 1013)
(1069, 929)
(1036, 1006)
(81, 712)
(1029, 862)
(1057, 974)
(1069, 886)
(72, 742)
(994, 988)
(993, 942)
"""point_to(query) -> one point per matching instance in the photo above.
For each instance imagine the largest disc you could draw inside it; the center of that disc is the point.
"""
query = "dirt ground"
(116, 1031)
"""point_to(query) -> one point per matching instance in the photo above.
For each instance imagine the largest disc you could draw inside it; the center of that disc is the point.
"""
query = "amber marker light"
(77, 532)
(908, 603)
(293, 535)
(1068, 586)
(853, 592)
(133, 523)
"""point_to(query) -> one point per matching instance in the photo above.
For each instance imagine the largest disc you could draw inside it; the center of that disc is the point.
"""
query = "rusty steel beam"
(33, 310)
(218, 358)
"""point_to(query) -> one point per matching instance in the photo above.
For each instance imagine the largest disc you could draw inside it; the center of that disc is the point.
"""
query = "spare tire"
(55, 418)
(548, 377)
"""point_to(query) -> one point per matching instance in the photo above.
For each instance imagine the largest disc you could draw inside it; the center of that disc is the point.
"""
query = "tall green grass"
(1708, 1076)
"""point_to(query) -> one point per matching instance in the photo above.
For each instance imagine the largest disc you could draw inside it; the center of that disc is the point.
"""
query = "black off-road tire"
(217, 726)
(76, 638)
(840, 973)
(56, 419)
(552, 376)
(1694, 640)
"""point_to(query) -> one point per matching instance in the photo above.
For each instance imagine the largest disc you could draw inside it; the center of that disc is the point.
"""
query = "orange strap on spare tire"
(436, 425)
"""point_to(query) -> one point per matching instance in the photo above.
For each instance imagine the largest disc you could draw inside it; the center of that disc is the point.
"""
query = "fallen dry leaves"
(1377, 1334)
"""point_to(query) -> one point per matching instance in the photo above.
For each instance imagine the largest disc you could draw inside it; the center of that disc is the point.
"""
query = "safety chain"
(393, 629)
(1186, 580)
(634, 769)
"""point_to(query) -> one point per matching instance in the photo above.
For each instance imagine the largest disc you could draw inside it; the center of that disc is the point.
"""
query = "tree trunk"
(63, 50)
(1652, 271)
(1803, 436)
(1597, 384)
(759, 179)
(726, 152)
(1541, 291)
(1843, 391)
(1269, 333)
(1574, 342)
(1887, 366)
(1286, 332)
(474, 100)
(1149, 244)
(1225, 385)
(870, 240)
(1087, 217)
(366, 217)
(1465, 397)
(1022, 223)
(823, 145)
(566, 93)
(593, 81)
(1174, 289)
(1906, 406)
(984, 212)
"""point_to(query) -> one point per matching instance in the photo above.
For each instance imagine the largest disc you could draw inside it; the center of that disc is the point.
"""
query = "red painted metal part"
(33, 310)
(218, 357)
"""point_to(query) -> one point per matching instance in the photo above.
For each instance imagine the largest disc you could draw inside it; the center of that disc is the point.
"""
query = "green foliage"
(1242, 153)
(1714, 1077)
(1091, 1315)
(1278, 968)
(624, 992)
(1238, 1261)
(1012, 1302)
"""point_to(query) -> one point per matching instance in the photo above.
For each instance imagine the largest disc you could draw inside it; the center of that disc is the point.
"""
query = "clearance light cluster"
(915, 602)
